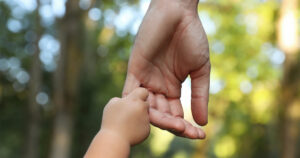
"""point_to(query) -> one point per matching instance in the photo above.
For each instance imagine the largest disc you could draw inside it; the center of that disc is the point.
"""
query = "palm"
(163, 56)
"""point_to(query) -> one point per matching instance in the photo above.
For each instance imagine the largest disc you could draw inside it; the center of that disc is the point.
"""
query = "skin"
(170, 45)
(125, 123)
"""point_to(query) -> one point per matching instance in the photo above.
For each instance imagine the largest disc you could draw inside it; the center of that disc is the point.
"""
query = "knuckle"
(114, 99)
(124, 94)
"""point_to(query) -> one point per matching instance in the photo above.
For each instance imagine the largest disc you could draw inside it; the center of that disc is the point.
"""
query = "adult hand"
(170, 45)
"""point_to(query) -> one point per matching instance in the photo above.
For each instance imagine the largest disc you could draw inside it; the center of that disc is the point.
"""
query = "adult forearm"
(106, 144)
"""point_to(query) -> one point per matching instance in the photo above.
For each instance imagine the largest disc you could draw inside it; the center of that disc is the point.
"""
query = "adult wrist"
(188, 4)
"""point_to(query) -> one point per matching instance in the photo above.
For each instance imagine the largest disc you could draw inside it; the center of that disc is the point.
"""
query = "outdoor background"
(62, 60)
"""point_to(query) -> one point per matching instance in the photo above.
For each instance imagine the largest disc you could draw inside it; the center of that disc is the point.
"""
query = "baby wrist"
(115, 137)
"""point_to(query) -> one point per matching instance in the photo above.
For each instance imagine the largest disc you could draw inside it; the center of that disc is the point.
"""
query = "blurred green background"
(62, 60)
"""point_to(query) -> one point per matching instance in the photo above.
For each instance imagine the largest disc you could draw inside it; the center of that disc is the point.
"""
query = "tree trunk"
(65, 80)
(288, 41)
(290, 101)
(33, 133)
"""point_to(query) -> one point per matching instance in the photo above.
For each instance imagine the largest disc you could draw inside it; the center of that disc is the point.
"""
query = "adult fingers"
(176, 107)
(131, 83)
(152, 100)
(166, 121)
(200, 89)
(191, 132)
(162, 104)
(139, 93)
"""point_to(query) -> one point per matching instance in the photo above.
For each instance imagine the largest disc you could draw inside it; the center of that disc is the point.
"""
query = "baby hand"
(128, 117)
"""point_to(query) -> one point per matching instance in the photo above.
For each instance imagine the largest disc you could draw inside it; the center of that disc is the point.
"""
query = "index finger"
(131, 83)
(139, 93)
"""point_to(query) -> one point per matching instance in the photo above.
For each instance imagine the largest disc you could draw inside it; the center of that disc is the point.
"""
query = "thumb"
(139, 93)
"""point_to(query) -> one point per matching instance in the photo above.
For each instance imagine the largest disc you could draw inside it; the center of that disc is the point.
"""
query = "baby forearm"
(107, 144)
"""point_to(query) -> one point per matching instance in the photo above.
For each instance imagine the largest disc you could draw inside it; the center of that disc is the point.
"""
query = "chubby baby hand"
(128, 117)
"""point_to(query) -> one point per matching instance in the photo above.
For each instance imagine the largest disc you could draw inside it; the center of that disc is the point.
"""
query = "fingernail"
(202, 135)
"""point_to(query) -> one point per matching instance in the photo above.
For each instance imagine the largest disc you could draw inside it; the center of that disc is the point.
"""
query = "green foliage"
(245, 81)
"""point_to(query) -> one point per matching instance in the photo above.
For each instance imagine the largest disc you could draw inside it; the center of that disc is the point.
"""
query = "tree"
(66, 80)
(34, 88)
(288, 41)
